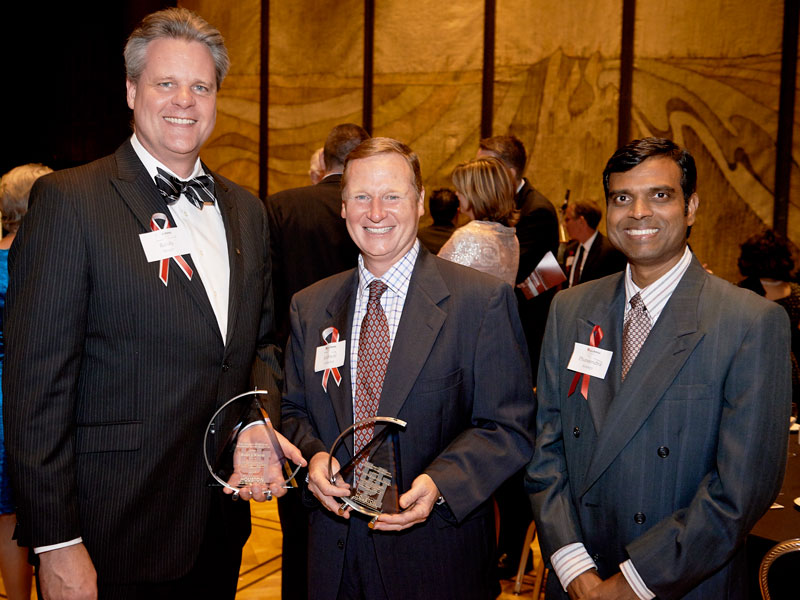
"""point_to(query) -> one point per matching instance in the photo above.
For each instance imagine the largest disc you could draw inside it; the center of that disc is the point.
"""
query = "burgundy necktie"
(373, 356)
(634, 332)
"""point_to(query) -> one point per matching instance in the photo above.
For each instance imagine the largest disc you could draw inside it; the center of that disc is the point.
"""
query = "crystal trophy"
(373, 473)
(241, 449)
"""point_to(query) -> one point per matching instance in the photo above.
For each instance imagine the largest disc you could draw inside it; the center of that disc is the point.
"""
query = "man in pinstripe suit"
(116, 364)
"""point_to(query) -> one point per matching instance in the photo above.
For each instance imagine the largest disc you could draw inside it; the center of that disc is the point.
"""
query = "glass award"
(373, 473)
(241, 449)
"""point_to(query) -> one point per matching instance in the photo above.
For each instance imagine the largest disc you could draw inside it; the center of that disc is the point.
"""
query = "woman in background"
(15, 187)
(488, 243)
(767, 264)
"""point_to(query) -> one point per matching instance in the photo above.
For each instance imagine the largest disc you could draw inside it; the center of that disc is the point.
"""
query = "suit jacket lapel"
(230, 218)
(606, 312)
(666, 350)
(139, 192)
(340, 315)
(419, 326)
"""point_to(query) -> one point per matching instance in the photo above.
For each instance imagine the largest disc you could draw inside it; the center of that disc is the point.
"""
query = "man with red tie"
(429, 342)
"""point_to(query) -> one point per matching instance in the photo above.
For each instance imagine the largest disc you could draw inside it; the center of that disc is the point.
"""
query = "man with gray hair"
(121, 349)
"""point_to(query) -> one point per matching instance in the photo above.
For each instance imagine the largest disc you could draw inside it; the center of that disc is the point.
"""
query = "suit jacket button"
(576, 432)
(340, 544)
(639, 518)
(225, 367)
(663, 451)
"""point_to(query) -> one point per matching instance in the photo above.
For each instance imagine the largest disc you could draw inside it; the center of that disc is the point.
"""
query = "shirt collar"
(656, 295)
(587, 245)
(397, 277)
(151, 163)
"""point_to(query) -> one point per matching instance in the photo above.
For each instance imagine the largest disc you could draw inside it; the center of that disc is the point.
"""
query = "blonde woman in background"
(15, 187)
(488, 243)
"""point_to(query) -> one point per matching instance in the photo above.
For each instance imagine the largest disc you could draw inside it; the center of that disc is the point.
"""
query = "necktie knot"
(198, 190)
(376, 290)
(637, 303)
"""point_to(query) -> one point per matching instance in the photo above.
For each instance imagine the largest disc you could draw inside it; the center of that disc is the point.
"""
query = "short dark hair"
(342, 140)
(766, 255)
(383, 145)
(509, 149)
(589, 210)
(636, 152)
(443, 205)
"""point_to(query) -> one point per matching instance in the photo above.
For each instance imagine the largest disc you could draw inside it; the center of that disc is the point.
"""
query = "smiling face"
(382, 209)
(175, 102)
(647, 217)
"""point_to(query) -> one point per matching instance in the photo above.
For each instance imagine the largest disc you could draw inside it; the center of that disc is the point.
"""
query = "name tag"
(329, 356)
(165, 243)
(590, 360)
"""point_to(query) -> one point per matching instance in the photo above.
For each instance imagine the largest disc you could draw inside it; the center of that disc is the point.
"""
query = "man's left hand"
(419, 501)
(275, 474)
(613, 588)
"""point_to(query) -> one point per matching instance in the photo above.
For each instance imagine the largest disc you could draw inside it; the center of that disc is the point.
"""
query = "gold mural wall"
(706, 75)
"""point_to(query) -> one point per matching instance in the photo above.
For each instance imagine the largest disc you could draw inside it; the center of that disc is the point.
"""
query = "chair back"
(777, 550)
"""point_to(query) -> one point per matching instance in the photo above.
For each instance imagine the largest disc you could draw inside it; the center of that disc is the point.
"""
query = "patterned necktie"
(634, 332)
(198, 190)
(373, 356)
(576, 268)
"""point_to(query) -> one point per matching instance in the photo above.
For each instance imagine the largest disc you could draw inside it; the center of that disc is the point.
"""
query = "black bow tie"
(198, 190)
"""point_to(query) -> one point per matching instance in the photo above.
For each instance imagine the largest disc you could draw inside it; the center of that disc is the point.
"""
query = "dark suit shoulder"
(530, 200)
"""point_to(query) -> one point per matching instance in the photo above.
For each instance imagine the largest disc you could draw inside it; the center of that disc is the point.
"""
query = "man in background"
(308, 242)
(443, 206)
(537, 232)
(589, 254)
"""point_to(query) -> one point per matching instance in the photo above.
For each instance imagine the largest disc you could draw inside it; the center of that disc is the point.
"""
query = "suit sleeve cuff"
(570, 561)
(635, 581)
(41, 549)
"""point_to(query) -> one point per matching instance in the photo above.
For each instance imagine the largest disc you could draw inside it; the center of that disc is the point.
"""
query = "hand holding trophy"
(244, 453)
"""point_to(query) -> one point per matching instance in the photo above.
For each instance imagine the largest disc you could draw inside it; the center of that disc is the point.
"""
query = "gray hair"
(15, 187)
(179, 24)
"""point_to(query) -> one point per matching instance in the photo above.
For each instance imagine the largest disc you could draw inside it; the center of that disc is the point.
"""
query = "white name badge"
(329, 356)
(590, 360)
(165, 243)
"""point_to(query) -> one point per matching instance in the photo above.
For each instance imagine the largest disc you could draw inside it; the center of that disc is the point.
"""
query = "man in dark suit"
(648, 474)
(443, 206)
(427, 341)
(537, 232)
(308, 242)
(589, 255)
(308, 237)
(115, 364)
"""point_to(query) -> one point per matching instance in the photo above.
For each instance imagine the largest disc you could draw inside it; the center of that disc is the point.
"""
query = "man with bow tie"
(121, 346)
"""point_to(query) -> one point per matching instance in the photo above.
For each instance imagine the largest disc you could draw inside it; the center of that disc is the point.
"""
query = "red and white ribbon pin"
(333, 334)
(163, 267)
(594, 340)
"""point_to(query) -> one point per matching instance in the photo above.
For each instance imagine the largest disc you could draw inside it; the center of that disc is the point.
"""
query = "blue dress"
(6, 503)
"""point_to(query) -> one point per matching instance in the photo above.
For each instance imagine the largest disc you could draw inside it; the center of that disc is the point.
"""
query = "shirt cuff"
(40, 549)
(570, 561)
(635, 581)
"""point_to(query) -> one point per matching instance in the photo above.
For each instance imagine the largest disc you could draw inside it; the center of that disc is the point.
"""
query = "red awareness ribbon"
(337, 377)
(594, 340)
(163, 269)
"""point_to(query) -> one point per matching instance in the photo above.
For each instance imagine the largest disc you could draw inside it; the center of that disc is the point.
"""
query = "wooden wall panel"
(427, 91)
(556, 88)
(232, 149)
(715, 91)
(315, 73)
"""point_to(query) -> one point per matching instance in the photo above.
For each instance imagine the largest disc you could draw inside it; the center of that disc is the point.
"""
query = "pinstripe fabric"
(111, 376)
